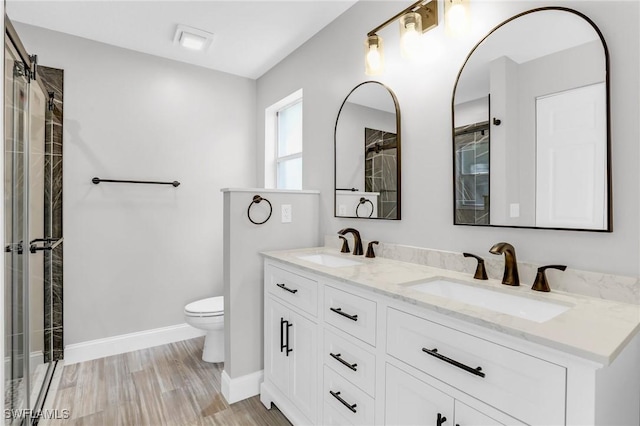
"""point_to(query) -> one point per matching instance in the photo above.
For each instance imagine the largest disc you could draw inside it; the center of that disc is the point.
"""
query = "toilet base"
(213, 350)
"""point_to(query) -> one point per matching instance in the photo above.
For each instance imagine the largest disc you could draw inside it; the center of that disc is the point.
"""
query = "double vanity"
(353, 340)
(356, 340)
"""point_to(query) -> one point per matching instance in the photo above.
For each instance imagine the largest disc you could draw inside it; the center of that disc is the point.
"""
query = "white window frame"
(271, 139)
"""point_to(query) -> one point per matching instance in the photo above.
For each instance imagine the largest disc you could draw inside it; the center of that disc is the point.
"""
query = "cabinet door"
(410, 401)
(303, 368)
(276, 361)
(467, 416)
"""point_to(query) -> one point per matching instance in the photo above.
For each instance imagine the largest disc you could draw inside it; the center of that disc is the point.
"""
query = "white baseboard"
(100, 348)
(240, 388)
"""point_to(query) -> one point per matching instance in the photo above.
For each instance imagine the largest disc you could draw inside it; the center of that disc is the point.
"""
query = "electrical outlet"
(286, 213)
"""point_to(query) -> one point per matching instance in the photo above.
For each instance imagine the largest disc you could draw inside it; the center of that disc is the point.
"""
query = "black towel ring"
(256, 200)
(362, 201)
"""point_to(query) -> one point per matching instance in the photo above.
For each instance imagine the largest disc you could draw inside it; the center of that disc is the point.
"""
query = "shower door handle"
(49, 244)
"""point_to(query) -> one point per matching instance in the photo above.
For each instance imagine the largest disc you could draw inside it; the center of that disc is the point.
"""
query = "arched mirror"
(531, 126)
(367, 154)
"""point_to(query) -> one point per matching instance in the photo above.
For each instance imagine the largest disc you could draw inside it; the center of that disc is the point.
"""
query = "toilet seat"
(210, 307)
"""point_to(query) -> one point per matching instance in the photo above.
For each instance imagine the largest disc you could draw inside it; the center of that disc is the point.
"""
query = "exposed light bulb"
(457, 19)
(374, 60)
(410, 35)
(410, 41)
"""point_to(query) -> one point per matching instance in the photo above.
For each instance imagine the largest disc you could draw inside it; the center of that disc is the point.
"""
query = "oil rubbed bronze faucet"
(357, 242)
(481, 272)
(541, 283)
(510, 276)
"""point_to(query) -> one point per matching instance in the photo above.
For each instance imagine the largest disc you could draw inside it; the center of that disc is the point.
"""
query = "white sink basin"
(329, 260)
(530, 309)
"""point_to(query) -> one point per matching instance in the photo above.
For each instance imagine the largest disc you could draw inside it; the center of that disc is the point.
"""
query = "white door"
(276, 361)
(571, 156)
(410, 401)
(303, 373)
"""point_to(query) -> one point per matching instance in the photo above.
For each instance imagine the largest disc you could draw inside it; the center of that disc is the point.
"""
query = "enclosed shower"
(32, 230)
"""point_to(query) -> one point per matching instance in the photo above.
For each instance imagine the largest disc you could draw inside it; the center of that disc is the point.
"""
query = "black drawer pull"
(284, 287)
(282, 344)
(339, 311)
(289, 325)
(343, 362)
(434, 352)
(336, 395)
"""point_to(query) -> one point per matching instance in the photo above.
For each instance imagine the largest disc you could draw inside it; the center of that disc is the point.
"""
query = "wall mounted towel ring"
(257, 199)
(363, 201)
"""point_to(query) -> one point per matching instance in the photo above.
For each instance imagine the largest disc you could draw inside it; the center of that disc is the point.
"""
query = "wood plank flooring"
(165, 385)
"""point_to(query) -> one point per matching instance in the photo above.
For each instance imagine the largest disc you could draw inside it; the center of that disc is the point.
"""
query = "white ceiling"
(250, 36)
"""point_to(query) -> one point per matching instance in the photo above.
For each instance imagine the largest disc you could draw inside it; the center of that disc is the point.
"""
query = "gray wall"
(136, 254)
(243, 265)
(329, 65)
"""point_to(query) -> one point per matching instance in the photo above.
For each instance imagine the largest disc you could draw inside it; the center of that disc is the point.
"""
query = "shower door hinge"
(14, 248)
(34, 67)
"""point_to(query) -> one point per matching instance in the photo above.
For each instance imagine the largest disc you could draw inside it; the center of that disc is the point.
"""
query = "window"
(289, 147)
(283, 143)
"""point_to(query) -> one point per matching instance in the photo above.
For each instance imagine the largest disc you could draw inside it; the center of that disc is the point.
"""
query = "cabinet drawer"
(350, 313)
(527, 388)
(353, 363)
(299, 291)
(355, 406)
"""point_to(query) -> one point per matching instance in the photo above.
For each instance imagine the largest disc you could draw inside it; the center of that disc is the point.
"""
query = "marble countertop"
(594, 329)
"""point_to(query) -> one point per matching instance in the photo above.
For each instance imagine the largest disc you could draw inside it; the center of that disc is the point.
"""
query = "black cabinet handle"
(282, 345)
(343, 362)
(289, 325)
(339, 312)
(336, 395)
(284, 287)
(434, 353)
(441, 419)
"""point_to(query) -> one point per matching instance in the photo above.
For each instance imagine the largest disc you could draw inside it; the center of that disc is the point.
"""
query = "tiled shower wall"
(380, 169)
(53, 334)
(472, 181)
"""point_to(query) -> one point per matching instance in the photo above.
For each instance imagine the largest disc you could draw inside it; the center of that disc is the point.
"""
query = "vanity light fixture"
(457, 17)
(415, 20)
(192, 38)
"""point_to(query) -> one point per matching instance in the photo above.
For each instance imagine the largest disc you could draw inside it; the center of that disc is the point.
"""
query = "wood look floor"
(165, 385)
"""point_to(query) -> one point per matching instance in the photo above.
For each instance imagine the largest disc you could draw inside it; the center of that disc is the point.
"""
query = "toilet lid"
(209, 305)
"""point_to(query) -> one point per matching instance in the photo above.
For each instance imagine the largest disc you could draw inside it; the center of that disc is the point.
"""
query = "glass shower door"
(16, 165)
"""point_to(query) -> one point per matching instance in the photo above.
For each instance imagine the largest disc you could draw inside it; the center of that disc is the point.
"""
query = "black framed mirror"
(530, 114)
(367, 154)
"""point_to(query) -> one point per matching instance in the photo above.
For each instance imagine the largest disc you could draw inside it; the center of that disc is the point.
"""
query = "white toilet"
(208, 314)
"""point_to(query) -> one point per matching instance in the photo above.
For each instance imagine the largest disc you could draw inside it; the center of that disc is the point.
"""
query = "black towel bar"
(97, 180)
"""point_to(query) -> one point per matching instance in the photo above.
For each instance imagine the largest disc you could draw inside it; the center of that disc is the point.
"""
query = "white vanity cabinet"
(412, 401)
(361, 357)
(350, 327)
(506, 379)
(291, 341)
